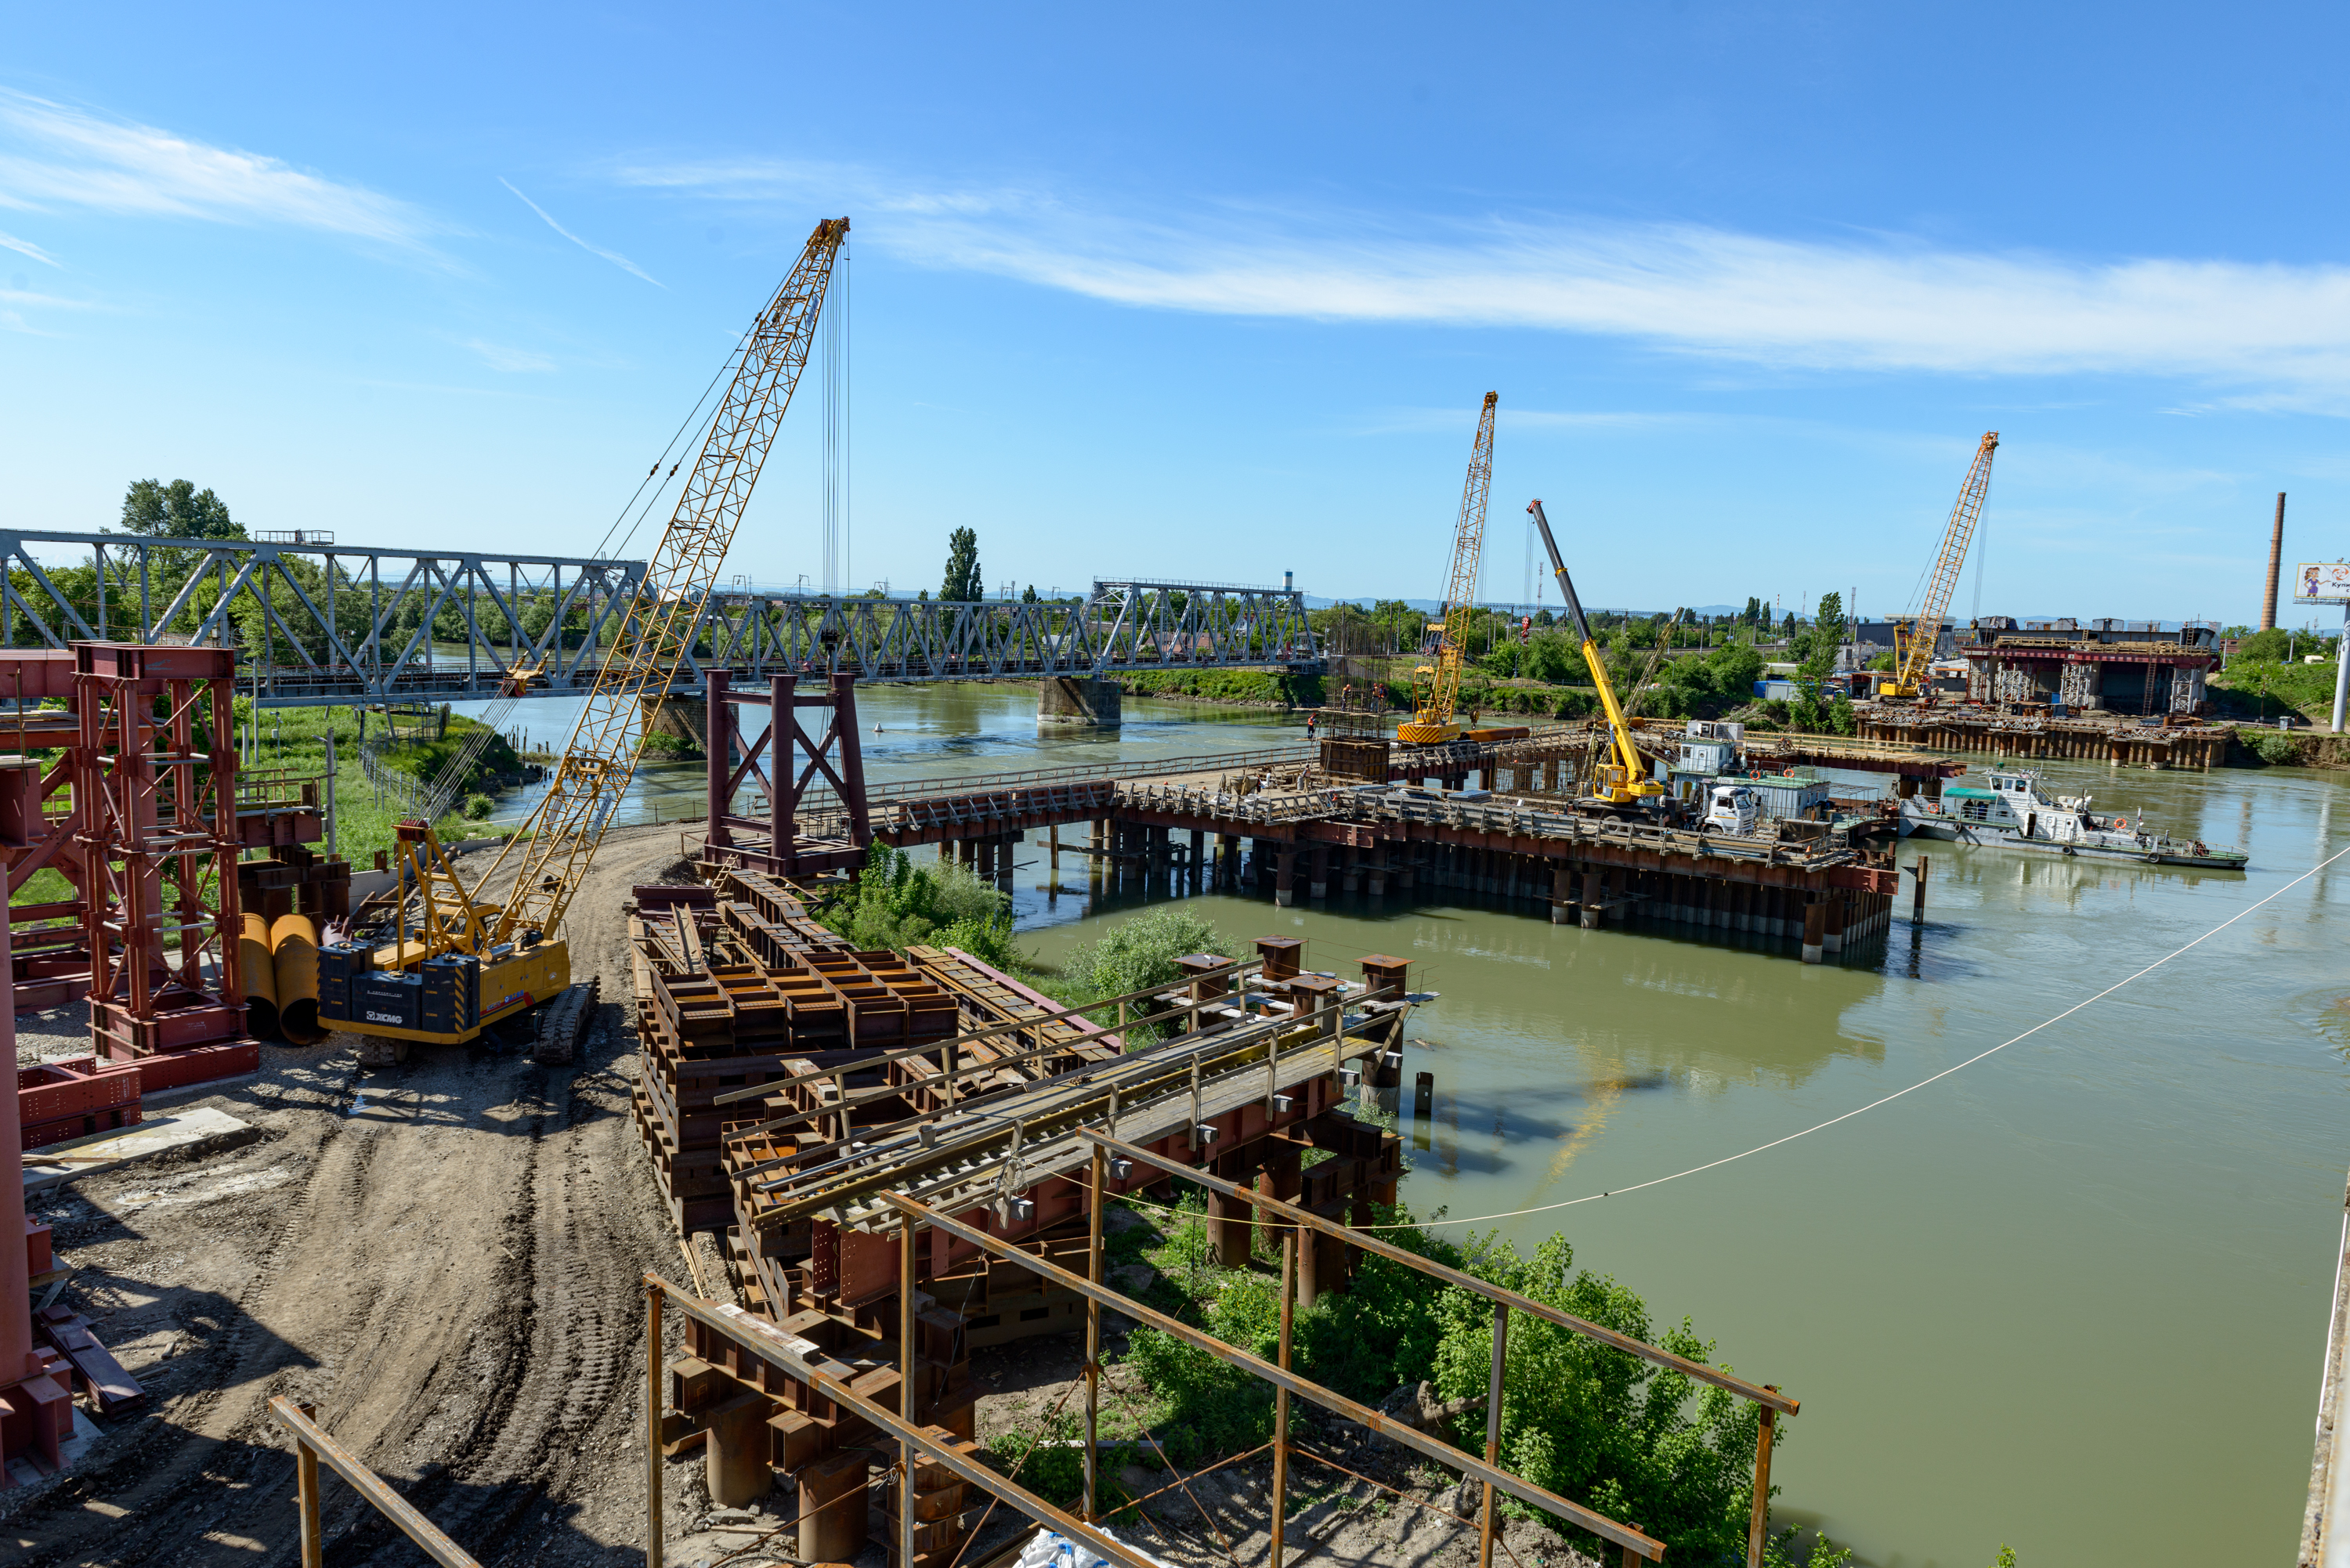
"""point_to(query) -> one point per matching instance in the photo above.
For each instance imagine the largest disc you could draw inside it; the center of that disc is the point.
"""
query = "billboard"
(2321, 583)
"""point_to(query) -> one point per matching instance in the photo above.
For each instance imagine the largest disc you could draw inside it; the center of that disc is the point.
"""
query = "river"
(2071, 1298)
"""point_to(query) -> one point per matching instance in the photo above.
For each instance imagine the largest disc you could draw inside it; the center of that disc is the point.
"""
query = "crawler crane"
(1915, 648)
(1436, 688)
(462, 962)
(1624, 781)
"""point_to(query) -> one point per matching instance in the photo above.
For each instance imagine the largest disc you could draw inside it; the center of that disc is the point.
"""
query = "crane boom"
(1630, 781)
(552, 851)
(1436, 689)
(1910, 677)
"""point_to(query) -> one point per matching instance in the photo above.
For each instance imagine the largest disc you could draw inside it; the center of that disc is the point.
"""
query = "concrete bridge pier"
(685, 719)
(1284, 877)
(1087, 704)
(1317, 886)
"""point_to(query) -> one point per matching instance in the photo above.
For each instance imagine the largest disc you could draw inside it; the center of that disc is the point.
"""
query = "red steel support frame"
(161, 844)
(774, 758)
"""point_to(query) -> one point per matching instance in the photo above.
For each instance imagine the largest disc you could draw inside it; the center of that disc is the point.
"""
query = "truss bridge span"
(317, 622)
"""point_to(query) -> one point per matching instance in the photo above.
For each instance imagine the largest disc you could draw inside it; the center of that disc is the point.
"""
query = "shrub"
(896, 905)
(478, 807)
(1135, 956)
(1636, 1441)
(2276, 747)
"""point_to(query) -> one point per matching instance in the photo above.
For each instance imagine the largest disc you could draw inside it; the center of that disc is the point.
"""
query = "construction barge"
(2173, 742)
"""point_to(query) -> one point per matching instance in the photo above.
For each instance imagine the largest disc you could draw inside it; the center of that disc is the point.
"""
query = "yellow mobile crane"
(1915, 650)
(1625, 780)
(463, 962)
(1436, 688)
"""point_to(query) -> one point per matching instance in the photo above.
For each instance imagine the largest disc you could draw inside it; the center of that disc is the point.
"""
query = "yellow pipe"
(260, 975)
(294, 948)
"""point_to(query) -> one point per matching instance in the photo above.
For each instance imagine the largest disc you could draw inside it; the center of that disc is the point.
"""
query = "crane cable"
(1886, 1099)
(655, 472)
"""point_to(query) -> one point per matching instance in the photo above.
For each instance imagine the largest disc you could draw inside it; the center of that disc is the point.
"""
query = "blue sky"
(1215, 293)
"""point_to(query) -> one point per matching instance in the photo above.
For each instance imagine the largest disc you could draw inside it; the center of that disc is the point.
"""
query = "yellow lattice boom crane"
(1624, 780)
(463, 962)
(1436, 687)
(1915, 646)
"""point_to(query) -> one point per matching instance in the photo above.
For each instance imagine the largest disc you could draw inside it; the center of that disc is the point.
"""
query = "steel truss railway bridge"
(315, 622)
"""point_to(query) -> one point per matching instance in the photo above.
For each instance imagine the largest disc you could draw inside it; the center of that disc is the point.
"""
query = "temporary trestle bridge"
(317, 622)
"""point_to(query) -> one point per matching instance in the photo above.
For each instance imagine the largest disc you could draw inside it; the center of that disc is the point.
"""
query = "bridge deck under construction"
(1284, 822)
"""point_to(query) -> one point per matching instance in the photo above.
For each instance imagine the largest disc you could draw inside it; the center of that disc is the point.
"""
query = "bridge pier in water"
(1085, 704)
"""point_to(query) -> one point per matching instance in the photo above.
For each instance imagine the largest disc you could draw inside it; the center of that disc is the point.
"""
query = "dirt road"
(443, 1256)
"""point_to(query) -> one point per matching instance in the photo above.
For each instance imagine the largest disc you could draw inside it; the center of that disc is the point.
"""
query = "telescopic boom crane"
(1626, 781)
(1917, 656)
(467, 962)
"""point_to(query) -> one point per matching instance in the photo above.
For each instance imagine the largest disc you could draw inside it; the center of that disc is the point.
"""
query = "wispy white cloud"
(1887, 304)
(27, 249)
(52, 155)
(615, 258)
(501, 357)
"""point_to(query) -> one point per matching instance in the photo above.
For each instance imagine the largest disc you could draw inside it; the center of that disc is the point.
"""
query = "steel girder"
(317, 622)
(320, 622)
(1122, 626)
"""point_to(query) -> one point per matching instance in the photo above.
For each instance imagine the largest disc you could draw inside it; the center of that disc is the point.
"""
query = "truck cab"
(1730, 808)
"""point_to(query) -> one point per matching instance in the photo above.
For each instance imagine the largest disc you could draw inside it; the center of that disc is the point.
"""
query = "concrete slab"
(198, 1131)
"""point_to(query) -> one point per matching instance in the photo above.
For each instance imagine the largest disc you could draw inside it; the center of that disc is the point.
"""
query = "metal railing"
(311, 1444)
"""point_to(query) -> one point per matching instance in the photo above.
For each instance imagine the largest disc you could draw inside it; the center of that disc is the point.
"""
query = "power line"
(1887, 1099)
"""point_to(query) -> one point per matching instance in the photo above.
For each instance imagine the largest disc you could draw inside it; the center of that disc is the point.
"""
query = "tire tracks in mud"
(454, 1282)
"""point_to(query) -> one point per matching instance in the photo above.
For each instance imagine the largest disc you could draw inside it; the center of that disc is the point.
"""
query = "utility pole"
(2342, 666)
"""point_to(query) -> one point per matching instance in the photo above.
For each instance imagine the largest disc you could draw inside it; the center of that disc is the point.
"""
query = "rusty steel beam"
(802, 1359)
(312, 1444)
(1637, 1543)
(867, 1064)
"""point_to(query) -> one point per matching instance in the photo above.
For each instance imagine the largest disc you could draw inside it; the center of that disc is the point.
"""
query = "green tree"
(1028, 595)
(176, 511)
(964, 583)
(2268, 644)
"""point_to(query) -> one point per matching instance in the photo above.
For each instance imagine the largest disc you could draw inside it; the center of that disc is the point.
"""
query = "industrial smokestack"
(2276, 554)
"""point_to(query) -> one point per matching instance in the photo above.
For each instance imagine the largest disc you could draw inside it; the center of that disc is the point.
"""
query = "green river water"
(2071, 1298)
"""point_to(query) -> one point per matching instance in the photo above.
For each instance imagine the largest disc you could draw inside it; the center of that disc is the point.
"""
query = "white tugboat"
(2015, 813)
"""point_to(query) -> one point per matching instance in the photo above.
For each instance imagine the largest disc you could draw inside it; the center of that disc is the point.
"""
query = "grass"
(294, 739)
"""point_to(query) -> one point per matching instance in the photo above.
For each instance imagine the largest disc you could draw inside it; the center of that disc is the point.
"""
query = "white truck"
(1730, 808)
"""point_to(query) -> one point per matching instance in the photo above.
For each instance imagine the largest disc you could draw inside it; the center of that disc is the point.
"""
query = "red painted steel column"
(849, 756)
(783, 736)
(717, 737)
(15, 1285)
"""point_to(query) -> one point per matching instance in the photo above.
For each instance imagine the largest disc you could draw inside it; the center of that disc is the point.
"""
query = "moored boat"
(2015, 813)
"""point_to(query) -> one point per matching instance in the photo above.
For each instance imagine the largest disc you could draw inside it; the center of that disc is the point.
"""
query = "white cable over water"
(1832, 1121)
